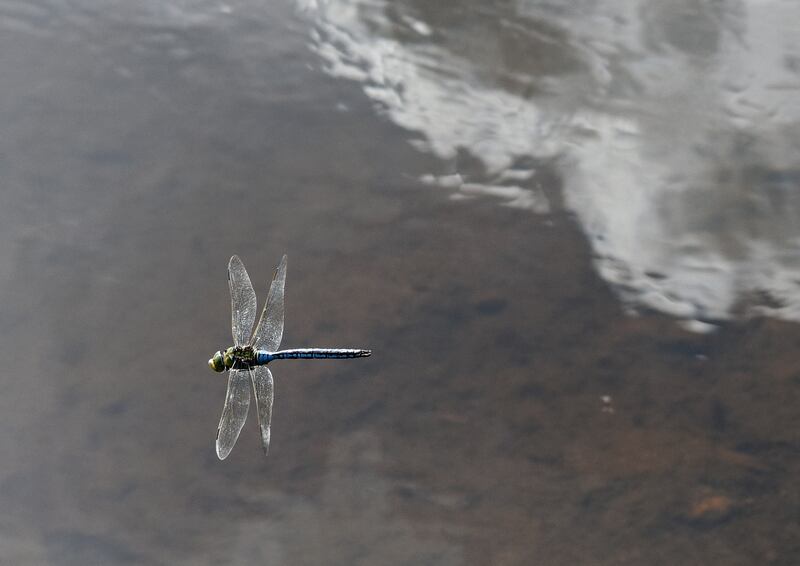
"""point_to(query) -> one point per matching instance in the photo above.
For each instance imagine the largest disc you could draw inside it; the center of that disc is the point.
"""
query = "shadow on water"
(527, 210)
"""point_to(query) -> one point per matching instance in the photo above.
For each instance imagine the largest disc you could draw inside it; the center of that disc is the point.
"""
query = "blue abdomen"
(263, 357)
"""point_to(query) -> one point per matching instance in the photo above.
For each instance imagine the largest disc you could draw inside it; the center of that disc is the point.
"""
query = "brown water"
(538, 392)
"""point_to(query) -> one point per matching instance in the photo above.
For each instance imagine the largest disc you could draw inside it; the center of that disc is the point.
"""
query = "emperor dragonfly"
(246, 361)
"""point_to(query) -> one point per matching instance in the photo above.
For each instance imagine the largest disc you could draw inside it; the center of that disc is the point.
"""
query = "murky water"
(569, 232)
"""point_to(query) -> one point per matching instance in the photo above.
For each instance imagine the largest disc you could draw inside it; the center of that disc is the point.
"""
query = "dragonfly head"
(217, 362)
(226, 360)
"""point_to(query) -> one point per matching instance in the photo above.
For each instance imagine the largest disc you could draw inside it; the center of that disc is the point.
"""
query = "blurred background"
(569, 231)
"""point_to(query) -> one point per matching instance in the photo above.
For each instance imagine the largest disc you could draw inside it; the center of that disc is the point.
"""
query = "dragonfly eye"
(216, 362)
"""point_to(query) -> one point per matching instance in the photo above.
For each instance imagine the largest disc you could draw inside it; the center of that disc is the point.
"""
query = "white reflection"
(674, 125)
(511, 195)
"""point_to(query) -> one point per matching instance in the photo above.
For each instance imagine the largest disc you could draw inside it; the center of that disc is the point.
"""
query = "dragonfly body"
(247, 356)
(247, 359)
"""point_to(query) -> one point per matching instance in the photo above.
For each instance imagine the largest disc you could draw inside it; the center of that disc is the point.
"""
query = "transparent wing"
(265, 392)
(269, 331)
(237, 403)
(243, 302)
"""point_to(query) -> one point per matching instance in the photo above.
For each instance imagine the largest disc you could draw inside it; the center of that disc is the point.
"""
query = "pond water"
(569, 232)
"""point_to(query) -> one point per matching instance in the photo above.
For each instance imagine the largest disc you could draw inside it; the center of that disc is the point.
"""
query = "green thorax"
(243, 354)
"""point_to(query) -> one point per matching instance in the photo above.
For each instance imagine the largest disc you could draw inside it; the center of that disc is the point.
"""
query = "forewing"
(265, 392)
(269, 331)
(237, 403)
(243, 302)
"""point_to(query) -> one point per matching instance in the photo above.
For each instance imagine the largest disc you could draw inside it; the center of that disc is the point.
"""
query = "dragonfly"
(246, 361)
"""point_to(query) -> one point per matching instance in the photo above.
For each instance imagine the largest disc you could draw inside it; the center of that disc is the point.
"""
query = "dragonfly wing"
(237, 403)
(243, 302)
(265, 392)
(269, 331)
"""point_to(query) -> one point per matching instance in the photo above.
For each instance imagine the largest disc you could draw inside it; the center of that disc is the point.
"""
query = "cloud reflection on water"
(674, 127)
